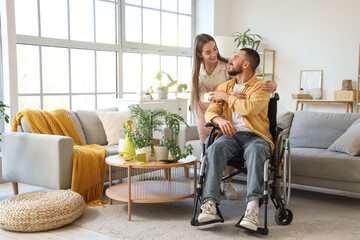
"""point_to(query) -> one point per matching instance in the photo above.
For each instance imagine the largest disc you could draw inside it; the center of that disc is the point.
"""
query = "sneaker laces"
(208, 207)
(252, 215)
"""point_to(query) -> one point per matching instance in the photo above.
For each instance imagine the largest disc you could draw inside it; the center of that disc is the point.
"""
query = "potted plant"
(140, 141)
(172, 121)
(2, 113)
(162, 89)
(245, 39)
(148, 120)
(175, 150)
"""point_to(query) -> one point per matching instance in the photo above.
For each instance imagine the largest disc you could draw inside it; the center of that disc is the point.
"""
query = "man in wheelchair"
(244, 126)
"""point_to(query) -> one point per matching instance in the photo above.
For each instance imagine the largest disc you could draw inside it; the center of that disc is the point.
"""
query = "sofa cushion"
(321, 163)
(78, 126)
(112, 123)
(349, 142)
(318, 129)
(284, 122)
(93, 129)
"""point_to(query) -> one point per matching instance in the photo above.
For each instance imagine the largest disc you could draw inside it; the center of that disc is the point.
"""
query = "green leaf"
(182, 87)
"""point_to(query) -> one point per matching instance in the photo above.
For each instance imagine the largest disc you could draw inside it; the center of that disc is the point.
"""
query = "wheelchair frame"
(279, 166)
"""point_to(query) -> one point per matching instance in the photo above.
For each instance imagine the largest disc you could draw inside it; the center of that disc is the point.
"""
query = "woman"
(209, 70)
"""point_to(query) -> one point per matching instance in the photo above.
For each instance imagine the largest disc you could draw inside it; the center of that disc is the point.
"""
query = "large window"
(82, 54)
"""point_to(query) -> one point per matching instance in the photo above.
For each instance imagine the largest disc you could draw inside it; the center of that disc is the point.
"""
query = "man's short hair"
(252, 56)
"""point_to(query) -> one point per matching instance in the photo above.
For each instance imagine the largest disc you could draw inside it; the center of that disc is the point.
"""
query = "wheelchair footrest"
(261, 231)
(196, 223)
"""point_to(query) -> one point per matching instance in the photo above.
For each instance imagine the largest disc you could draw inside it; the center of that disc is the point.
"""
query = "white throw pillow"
(112, 123)
(349, 142)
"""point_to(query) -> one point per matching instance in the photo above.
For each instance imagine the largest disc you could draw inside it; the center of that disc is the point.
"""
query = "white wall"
(320, 35)
(204, 17)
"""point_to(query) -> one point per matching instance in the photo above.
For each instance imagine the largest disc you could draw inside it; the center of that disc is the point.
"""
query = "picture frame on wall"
(311, 82)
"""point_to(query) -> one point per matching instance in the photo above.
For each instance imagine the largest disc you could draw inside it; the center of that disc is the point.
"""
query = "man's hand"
(268, 86)
(239, 95)
(226, 126)
(218, 96)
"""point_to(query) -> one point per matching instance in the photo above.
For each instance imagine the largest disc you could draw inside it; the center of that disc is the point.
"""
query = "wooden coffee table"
(150, 182)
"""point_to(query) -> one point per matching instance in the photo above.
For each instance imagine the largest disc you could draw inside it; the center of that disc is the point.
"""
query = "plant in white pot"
(163, 89)
(141, 143)
(172, 121)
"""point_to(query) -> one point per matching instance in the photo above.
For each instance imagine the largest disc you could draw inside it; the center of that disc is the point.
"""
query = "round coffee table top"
(119, 161)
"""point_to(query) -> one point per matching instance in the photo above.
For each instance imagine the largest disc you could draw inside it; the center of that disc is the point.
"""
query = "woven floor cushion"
(40, 210)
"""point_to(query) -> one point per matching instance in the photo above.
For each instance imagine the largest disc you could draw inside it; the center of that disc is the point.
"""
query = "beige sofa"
(46, 160)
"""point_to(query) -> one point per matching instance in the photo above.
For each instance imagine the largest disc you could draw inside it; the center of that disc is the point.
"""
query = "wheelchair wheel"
(286, 174)
(282, 219)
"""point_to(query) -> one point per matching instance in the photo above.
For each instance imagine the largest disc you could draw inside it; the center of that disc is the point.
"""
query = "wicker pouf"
(40, 210)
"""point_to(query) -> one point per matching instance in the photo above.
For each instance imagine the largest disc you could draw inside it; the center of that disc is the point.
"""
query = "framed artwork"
(255, 45)
(311, 82)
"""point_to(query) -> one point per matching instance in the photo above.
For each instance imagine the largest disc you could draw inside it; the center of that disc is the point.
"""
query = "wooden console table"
(150, 182)
(328, 102)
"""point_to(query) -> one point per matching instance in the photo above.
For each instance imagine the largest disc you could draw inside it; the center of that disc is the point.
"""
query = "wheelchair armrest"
(211, 125)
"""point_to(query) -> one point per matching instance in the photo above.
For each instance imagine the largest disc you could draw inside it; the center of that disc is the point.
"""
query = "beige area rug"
(316, 216)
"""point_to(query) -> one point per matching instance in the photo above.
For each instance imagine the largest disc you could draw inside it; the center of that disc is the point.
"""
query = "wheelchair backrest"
(272, 112)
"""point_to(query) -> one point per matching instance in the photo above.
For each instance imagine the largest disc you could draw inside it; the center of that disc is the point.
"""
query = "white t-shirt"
(237, 119)
(209, 83)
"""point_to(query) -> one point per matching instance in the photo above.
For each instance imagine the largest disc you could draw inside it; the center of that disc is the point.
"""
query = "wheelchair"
(277, 175)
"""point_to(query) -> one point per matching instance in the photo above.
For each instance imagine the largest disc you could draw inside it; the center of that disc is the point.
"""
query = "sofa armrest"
(187, 134)
(37, 159)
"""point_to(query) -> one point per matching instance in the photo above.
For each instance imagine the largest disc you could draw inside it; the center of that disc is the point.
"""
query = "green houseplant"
(150, 120)
(163, 88)
(172, 121)
(245, 39)
(140, 141)
(2, 112)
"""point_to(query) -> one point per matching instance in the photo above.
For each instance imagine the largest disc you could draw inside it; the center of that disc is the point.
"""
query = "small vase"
(129, 150)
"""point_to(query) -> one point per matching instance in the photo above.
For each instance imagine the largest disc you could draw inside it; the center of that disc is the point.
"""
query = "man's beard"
(235, 72)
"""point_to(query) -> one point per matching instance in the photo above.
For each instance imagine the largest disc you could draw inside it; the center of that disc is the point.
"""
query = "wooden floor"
(66, 232)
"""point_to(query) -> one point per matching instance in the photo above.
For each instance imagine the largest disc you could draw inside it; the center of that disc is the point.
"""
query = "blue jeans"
(256, 151)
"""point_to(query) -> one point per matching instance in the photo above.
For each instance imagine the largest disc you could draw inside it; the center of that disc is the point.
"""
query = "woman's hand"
(268, 86)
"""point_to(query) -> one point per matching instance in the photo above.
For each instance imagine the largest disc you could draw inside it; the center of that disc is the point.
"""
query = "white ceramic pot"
(161, 153)
(162, 93)
(146, 150)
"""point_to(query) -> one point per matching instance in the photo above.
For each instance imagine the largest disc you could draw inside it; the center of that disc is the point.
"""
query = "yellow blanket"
(89, 167)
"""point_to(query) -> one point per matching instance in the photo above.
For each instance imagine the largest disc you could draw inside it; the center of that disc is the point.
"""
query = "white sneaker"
(229, 192)
(208, 212)
(251, 220)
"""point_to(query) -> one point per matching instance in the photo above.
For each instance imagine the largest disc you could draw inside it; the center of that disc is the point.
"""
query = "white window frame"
(144, 48)
(11, 93)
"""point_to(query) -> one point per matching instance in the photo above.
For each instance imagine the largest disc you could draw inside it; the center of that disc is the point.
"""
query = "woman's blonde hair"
(199, 43)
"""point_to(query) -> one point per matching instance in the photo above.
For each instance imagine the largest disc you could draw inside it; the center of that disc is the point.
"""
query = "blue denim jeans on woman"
(256, 150)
